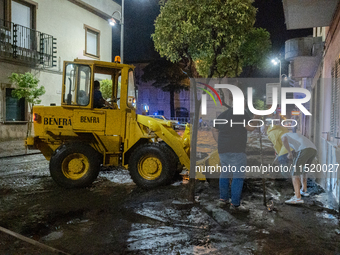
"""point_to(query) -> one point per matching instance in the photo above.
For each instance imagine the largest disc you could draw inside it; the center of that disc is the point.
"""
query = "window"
(14, 108)
(83, 90)
(21, 12)
(77, 85)
(131, 85)
(92, 42)
(119, 87)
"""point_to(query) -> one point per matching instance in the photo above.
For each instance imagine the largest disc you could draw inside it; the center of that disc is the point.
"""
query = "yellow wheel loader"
(77, 138)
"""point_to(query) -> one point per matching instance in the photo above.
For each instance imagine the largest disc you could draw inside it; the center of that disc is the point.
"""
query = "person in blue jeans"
(235, 160)
(232, 141)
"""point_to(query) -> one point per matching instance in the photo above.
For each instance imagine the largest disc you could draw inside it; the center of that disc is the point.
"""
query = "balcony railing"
(27, 45)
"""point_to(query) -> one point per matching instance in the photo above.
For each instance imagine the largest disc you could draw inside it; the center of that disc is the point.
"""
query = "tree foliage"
(205, 35)
(167, 76)
(255, 48)
(252, 53)
(207, 31)
(27, 87)
(260, 104)
(106, 88)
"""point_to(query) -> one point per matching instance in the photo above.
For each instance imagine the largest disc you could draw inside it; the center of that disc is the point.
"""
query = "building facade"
(321, 73)
(155, 101)
(37, 36)
(304, 55)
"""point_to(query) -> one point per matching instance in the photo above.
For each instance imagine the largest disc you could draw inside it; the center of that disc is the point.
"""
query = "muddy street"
(114, 216)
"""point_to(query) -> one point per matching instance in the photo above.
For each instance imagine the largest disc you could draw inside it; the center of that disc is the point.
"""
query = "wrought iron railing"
(27, 45)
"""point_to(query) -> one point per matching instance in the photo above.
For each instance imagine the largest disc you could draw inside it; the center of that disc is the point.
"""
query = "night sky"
(140, 16)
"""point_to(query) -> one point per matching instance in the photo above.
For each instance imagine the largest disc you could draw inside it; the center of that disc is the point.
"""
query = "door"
(22, 15)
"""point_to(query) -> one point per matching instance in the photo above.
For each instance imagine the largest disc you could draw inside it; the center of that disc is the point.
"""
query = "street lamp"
(113, 22)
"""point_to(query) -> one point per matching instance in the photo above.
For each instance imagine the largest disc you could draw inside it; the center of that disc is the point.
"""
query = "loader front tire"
(74, 165)
(150, 166)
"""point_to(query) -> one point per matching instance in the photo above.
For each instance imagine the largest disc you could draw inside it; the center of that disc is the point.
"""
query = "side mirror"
(132, 102)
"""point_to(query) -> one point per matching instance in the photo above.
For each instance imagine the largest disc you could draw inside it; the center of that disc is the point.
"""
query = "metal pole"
(122, 34)
(280, 84)
(280, 73)
(31, 241)
(263, 179)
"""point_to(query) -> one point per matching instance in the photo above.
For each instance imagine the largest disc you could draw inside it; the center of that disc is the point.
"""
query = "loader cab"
(78, 97)
(78, 84)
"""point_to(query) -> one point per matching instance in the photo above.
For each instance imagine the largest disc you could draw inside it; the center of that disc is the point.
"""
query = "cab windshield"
(78, 79)
(77, 85)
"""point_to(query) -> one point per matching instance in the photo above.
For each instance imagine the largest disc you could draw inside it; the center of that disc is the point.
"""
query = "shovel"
(263, 179)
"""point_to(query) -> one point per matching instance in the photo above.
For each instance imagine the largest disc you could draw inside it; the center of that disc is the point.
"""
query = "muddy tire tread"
(168, 165)
(66, 149)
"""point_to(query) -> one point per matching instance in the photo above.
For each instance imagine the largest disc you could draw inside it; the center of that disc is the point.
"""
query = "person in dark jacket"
(98, 100)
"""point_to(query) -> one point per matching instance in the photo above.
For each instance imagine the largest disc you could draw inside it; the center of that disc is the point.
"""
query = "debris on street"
(119, 217)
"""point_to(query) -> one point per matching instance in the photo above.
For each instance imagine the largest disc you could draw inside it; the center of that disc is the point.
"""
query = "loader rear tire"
(150, 166)
(74, 165)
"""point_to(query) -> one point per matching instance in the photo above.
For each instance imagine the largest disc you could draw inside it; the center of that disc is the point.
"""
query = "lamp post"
(113, 22)
(276, 61)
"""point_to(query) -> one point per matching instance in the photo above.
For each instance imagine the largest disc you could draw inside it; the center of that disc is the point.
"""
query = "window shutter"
(334, 129)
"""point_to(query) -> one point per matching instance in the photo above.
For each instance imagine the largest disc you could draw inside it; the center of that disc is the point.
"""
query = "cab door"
(89, 120)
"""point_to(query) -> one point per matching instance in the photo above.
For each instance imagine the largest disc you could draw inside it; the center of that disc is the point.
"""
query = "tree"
(255, 49)
(207, 31)
(206, 34)
(252, 53)
(27, 87)
(260, 104)
(167, 76)
(106, 88)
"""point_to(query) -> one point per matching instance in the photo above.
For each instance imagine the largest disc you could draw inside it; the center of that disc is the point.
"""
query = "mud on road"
(113, 216)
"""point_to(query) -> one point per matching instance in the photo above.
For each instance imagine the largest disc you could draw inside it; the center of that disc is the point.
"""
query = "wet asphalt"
(114, 216)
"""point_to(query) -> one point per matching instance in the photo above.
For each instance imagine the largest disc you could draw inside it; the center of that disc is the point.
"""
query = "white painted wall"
(103, 5)
(65, 21)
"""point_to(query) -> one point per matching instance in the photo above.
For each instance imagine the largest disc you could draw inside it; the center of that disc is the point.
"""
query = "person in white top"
(305, 153)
